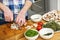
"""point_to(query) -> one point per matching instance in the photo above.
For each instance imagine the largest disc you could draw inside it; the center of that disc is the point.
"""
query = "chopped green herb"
(31, 33)
(54, 25)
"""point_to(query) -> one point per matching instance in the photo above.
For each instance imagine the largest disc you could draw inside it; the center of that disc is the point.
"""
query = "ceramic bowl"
(32, 38)
(36, 17)
(46, 33)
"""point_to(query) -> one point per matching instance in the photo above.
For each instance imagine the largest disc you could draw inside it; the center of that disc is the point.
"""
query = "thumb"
(11, 18)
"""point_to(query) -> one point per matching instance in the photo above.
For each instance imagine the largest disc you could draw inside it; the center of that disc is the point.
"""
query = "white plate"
(52, 15)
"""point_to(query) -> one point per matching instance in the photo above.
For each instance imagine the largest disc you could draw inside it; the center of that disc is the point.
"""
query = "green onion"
(47, 34)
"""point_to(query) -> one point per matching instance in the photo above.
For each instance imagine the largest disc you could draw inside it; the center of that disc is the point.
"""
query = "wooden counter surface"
(8, 34)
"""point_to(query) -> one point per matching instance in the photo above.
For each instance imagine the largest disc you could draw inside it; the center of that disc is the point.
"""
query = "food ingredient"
(39, 27)
(47, 34)
(40, 23)
(52, 24)
(31, 33)
(14, 26)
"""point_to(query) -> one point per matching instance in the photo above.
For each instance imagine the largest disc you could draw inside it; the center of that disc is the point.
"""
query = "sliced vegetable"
(39, 27)
(47, 34)
(40, 23)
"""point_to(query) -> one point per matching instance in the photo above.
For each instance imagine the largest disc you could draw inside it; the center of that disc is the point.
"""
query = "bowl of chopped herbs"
(31, 34)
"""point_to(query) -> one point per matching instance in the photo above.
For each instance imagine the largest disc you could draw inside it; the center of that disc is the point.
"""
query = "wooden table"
(8, 34)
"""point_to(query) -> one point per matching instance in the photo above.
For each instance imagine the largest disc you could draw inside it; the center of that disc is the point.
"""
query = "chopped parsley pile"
(31, 33)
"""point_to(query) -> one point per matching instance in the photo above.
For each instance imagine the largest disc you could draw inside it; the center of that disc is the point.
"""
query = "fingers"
(20, 22)
(8, 18)
(23, 22)
(8, 15)
(11, 19)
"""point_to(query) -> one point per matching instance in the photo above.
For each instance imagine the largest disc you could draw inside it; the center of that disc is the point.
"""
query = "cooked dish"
(52, 15)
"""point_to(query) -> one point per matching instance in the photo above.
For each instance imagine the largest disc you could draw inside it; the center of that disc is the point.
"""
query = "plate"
(52, 15)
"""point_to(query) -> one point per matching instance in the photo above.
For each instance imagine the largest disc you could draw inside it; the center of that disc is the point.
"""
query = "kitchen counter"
(8, 34)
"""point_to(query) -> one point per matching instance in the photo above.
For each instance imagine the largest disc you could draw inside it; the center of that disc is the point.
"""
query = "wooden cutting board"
(8, 34)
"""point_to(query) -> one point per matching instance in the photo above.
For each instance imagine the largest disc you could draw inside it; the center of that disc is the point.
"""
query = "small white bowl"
(32, 38)
(44, 31)
(36, 18)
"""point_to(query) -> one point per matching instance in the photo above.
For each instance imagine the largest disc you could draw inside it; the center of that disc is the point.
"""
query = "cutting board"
(9, 34)
(6, 33)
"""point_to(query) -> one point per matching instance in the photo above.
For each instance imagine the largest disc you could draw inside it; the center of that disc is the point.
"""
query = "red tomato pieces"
(40, 23)
(39, 27)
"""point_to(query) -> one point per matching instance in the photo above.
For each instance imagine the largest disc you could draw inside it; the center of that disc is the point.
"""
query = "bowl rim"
(31, 29)
(35, 15)
(48, 36)
(46, 29)
(34, 18)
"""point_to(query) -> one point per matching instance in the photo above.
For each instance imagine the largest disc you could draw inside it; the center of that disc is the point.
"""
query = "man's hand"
(7, 12)
(8, 15)
(20, 20)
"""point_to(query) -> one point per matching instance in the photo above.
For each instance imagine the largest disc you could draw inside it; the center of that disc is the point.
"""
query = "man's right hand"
(8, 15)
(7, 12)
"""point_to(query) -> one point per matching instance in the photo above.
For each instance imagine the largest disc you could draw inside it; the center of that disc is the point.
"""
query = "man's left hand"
(20, 20)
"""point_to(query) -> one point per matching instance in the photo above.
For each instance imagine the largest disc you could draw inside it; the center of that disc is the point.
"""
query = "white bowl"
(36, 18)
(44, 31)
(32, 38)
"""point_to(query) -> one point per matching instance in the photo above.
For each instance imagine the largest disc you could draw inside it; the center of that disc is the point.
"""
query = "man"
(15, 9)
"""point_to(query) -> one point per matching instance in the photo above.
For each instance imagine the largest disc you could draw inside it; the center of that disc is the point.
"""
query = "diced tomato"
(39, 27)
(40, 23)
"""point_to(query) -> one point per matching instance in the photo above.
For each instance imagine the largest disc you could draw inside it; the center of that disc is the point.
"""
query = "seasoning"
(31, 33)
